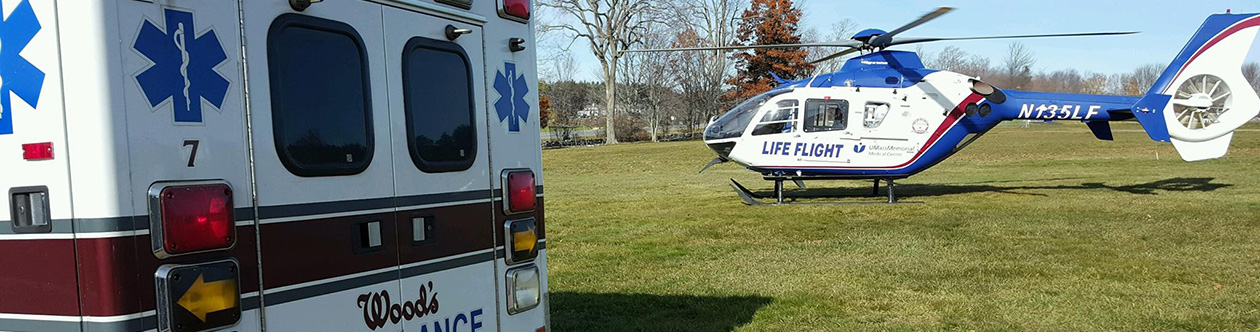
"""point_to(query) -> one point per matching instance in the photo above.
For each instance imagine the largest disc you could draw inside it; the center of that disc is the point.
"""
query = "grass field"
(1042, 228)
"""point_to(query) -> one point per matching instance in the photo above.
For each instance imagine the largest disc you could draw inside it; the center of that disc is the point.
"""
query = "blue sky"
(1166, 26)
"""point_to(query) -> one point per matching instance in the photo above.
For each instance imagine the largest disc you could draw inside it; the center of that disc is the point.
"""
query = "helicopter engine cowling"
(990, 92)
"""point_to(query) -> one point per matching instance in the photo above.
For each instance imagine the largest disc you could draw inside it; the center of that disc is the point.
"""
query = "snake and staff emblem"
(183, 66)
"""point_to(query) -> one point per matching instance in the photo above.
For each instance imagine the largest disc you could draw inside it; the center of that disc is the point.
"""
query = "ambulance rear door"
(441, 168)
(324, 165)
(37, 282)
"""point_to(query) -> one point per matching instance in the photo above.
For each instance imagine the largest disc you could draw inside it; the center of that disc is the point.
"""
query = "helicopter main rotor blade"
(915, 40)
(837, 55)
(850, 44)
(886, 39)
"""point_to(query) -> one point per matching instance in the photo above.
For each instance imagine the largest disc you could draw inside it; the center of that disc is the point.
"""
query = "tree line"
(640, 96)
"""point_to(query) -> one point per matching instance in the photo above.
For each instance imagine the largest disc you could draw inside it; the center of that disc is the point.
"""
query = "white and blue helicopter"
(884, 116)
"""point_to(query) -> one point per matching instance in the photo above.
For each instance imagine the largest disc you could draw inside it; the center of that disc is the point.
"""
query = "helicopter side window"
(875, 113)
(826, 115)
(779, 120)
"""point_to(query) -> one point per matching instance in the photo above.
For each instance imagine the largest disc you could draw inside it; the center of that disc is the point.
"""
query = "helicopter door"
(780, 120)
(827, 132)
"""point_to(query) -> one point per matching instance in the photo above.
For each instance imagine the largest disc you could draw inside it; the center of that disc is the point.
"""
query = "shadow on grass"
(931, 190)
(645, 312)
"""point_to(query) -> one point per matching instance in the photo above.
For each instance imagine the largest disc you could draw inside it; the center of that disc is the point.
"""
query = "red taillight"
(516, 8)
(520, 191)
(194, 218)
(37, 151)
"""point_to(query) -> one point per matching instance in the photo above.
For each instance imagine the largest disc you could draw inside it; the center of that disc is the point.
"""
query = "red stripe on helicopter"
(945, 126)
(1251, 22)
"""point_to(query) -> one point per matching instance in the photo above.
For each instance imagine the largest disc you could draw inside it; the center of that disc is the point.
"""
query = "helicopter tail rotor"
(1202, 97)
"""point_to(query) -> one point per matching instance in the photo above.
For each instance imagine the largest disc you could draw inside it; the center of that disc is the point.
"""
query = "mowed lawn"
(1041, 228)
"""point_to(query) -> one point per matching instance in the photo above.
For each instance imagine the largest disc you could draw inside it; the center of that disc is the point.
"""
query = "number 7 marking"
(192, 157)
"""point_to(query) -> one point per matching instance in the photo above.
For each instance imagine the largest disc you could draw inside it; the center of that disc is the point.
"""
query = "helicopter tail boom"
(1196, 104)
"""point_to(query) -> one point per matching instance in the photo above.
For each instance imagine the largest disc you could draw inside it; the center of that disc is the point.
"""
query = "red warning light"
(516, 8)
(195, 218)
(520, 191)
(37, 151)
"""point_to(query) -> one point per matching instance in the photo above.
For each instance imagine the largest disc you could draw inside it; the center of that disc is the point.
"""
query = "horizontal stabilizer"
(1196, 151)
(1101, 129)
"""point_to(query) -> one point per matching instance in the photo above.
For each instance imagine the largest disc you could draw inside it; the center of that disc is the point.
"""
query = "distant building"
(591, 111)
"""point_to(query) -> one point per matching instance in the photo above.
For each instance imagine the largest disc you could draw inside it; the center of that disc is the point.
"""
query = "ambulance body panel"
(364, 149)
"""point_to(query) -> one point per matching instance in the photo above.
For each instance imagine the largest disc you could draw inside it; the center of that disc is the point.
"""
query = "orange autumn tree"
(768, 22)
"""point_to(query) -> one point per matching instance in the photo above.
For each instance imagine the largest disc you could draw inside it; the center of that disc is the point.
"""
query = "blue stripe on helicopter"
(884, 69)
(1215, 26)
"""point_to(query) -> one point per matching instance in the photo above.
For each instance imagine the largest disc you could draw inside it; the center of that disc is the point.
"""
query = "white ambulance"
(270, 165)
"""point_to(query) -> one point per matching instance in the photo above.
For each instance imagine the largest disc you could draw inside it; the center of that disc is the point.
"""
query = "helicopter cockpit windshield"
(734, 122)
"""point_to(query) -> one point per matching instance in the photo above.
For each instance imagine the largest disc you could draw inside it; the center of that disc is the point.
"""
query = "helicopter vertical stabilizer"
(1202, 97)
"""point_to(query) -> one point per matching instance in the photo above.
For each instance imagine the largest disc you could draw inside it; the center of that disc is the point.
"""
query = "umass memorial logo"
(379, 310)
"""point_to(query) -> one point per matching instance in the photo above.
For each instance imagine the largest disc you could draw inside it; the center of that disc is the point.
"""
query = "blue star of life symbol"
(183, 66)
(512, 88)
(19, 76)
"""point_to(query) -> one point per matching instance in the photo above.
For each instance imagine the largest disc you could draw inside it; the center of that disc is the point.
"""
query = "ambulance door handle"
(516, 44)
(453, 33)
(29, 210)
(367, 236)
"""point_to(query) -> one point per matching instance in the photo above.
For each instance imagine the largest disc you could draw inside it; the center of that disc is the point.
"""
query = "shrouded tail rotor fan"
(1201, 101)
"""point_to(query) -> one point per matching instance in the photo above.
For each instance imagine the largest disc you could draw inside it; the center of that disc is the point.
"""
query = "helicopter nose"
(722, 149)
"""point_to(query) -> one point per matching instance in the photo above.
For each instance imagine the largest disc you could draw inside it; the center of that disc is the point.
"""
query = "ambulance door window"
(779, 120)
(320, 100)
(826, 115)
(874, 114)
(438, 99)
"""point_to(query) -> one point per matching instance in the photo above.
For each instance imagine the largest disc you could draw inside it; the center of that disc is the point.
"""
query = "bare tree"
(981, 66)
(568, 98)
(695, 72)
(839, 31)
(1062, 81)
(1141, 79)
(952, 58)
(563, 66)
(1095, 84)
(927, 58)
(702, 74)
(1017, 66)
(1116, 84)
(1251, 71)
(647, 76)
(610, 26)
(551, 49)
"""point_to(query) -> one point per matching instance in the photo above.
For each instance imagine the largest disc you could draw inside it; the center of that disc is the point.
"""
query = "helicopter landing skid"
(751, 198)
